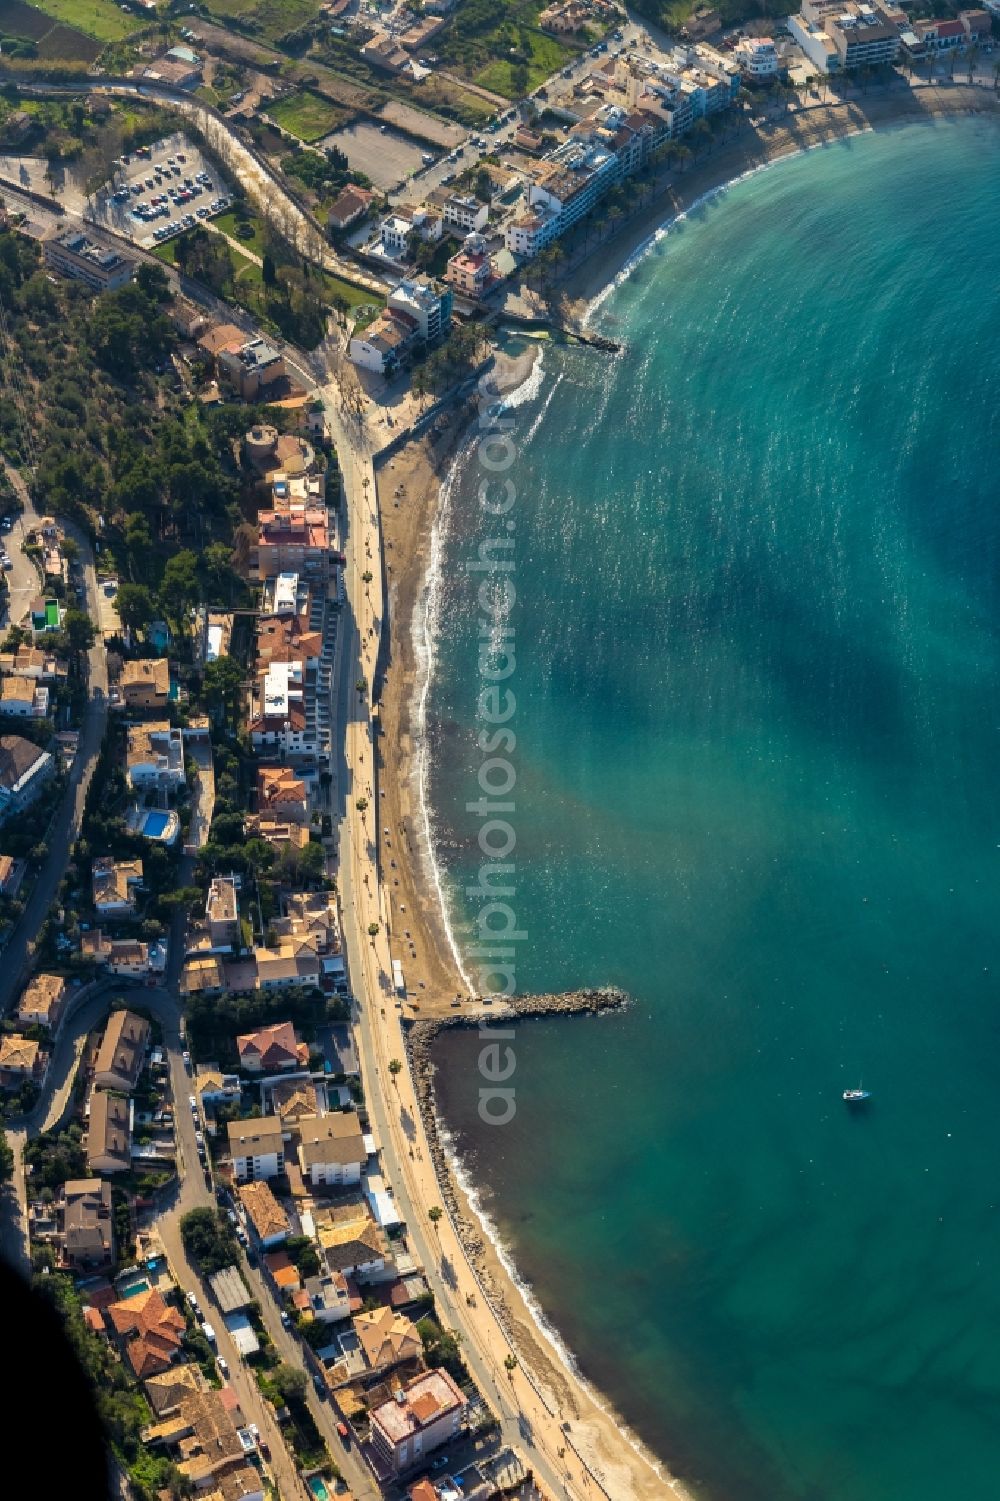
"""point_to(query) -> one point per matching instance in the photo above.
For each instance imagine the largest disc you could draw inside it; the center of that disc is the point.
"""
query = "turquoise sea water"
(758, 640)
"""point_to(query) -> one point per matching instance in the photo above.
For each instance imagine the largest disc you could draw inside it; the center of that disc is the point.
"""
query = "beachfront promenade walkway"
(529, 1420)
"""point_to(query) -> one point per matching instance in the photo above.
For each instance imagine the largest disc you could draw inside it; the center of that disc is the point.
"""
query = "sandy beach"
(409, 486)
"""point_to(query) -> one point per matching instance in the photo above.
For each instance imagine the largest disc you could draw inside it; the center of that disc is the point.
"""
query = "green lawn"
(546, 56)
(306, 115)
(227, 223)
(98, 18)
(353, 296)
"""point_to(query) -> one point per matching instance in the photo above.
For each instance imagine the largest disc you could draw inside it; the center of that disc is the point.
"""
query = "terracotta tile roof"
(266, 1214)
(157, 1329)
(386, 1337)
(273, 1046)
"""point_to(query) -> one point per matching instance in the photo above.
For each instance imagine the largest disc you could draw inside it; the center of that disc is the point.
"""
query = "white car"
(223, 1364)
(192, 1301)
(192, 1102)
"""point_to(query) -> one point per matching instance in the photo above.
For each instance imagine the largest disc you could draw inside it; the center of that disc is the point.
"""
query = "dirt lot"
(421, 124)
(387, 159)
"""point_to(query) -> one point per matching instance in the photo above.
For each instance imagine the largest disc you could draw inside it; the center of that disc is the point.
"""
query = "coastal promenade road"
(64, 829)
(529, 1419)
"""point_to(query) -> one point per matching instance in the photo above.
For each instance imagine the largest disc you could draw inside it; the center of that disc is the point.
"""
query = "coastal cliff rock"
(420, 1036)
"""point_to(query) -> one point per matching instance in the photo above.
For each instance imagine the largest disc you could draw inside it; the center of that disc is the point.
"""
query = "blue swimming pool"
(154, 825)
(134, 1286)
(318, 1487)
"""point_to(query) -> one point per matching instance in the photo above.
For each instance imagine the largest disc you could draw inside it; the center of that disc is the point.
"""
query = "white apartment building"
(257, 1148)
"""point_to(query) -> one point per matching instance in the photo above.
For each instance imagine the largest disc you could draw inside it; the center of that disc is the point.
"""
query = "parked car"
(344, 1432)
(208, 1332)
(223, 1365)
(320, 1388)
(286, 1321)
(192, 1101)
(193, 1301)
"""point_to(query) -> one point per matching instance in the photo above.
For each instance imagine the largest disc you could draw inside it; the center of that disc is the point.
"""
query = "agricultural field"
(270, 19)
(101, 19)
(26, 31)
(306, 115)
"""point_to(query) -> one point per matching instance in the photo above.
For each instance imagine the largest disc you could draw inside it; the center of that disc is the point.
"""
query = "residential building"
(405, 222)
(73, 254)
(530, 232)
(417, 1420)
(978, 25)
(463, 212)
(387, 1338)
(202, 977)
(429, 308)
(808, 33)
(293, 536)
(199, 1431)
(421, 32)
(294, 1100)
(126, 957)
(862, 37)
(349, 207)
(145, 685)
(351, 1243)
(282, 795)
(310, 923)
(272, 1049)
(24, 771)
(290, 962)
(42, 1001)
(88, 1241)
(471, 271)
(20, 1058)
(269, 1222)
(23, 698)
(758, 58)
(329, 1297)
(213, 1087)
(332, 1149)
(222, 913)
(33, 662)
(122, 1052)
(114, 884)
(381, 345)
(278, 832)
(109, 1133)
(46, 614)
(150, 1331)
(253, 369)
(257, 1148)
(155, 756)
(416, 313)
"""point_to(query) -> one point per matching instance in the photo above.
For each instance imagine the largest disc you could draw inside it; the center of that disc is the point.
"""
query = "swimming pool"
(318, 1487)
(155, 824)
(134, 1286)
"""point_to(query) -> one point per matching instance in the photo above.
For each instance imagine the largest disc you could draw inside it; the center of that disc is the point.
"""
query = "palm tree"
(395, 1069)
(373, 928)
(510, 1366)
(434, 1214)
(361, 804)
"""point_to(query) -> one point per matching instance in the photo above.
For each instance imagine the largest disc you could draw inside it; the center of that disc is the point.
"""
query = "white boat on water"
(856, 1096)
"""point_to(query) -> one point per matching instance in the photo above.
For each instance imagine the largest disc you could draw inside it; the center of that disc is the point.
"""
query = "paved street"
(65, 827)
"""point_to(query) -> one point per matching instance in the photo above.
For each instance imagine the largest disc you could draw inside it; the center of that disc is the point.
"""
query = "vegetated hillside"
(119, 445)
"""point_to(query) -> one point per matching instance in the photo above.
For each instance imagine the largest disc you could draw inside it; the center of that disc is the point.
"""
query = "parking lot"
(160, 191)
(382, 155)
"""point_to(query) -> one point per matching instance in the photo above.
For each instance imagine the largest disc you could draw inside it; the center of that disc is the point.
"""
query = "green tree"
(289, 1382)
(79, 631)
(268, 271)
(395, 1069)
(180, 589)
(135, 606)
(222, 686)
(6, 1159)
